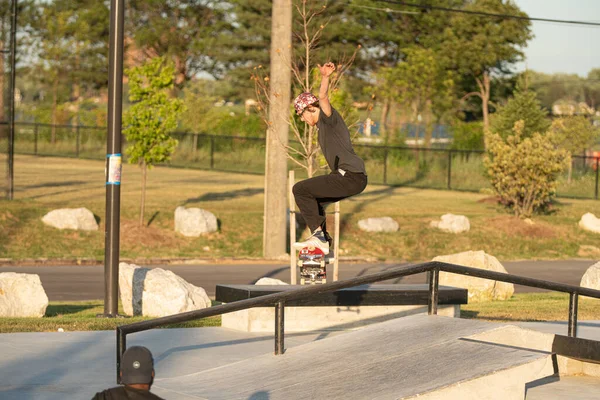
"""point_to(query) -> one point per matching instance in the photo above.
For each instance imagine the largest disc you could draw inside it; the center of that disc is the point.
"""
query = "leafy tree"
(71, 49)
(524, 106)
(479, 46)
(151, 118)
(574, 134)
(523, 170)
(381, 32)
(422, 84)
(188, 32)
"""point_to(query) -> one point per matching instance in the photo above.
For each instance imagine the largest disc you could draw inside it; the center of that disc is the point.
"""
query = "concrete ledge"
(305, 319)
(342, 309)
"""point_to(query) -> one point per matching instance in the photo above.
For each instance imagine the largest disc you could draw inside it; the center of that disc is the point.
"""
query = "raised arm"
(326, 70)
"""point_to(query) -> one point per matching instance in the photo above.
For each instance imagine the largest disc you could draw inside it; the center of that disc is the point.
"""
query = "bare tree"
(306, 153)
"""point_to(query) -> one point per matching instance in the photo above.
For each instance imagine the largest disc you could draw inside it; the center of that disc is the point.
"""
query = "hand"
(326, 69)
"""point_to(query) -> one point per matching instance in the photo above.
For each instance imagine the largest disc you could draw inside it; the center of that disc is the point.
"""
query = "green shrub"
(524, 171)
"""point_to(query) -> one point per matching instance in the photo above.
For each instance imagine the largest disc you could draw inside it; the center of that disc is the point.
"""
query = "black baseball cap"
(137, 365)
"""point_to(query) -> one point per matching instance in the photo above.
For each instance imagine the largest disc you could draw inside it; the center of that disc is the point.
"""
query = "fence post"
(212, 152)
(449, 169)
(77, 140)
(35, 139)
(596, 191)
(385, 157)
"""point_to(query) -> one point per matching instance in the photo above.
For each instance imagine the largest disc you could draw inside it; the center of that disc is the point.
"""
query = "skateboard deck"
(313, 265)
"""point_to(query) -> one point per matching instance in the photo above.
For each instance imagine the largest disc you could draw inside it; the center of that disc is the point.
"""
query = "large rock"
(71, 218)
(22, 295)
(383, 224)
(452, 223)
(194, 221)
(270, 281)
(589, 222)
(157, 292)
(591, 278)
(479, 289)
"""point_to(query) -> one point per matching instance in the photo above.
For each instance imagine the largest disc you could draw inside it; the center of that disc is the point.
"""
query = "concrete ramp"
(430, 357)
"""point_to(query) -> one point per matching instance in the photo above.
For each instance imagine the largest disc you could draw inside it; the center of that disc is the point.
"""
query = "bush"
(467, 136)
(524, 171)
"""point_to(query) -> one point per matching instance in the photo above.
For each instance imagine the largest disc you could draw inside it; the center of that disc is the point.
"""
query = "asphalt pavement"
(64, 283)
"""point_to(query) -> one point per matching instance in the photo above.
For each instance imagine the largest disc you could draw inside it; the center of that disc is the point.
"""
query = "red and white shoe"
(317, 240)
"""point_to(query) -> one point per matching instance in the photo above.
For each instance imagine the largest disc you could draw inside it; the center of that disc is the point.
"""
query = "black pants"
(313, 194)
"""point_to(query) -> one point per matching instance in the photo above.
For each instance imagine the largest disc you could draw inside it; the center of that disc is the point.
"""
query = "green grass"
(551, 306)
(46, 183)
(82, 316)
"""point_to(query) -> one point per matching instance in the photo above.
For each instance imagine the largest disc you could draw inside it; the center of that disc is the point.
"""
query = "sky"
(562, 48)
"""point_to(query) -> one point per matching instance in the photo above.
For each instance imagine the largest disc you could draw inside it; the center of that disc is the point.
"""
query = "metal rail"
(278, 300)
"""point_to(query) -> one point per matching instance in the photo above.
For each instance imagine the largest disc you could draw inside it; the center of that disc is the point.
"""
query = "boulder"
(22, 295)
(591, 278)
(383, 224)
(194, 221)
(157, 292)
(589, 222)
(71, 218)
(270, 281)
(479, 289)
(452, 223)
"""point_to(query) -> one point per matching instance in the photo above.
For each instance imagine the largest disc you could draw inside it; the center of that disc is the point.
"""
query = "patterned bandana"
(304, 100)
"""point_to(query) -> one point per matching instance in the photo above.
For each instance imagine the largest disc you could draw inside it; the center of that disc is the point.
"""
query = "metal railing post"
(597, 168)
(35, 139)
(573, 300)
(279, 328)
(434, 278)
(449, 169)
(121, 347)
(212, 152)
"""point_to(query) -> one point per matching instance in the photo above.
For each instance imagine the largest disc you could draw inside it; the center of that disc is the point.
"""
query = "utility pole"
(113, 160)
(274, 230)
(11, 112)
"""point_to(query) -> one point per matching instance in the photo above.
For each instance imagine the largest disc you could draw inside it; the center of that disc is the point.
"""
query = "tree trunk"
(383, 126)
(274, 229)
(143, 202)
(3, 130)
(484, 91)
(54, 106)
(428, 117)
(76, 91)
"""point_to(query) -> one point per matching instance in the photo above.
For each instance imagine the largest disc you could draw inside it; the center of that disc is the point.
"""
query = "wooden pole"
(291, 180)
(336, 241)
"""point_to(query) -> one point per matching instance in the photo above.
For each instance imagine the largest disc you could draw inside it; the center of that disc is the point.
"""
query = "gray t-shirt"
(334, 139)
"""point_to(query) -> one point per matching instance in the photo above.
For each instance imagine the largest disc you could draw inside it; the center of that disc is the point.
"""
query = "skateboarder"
(348, 176)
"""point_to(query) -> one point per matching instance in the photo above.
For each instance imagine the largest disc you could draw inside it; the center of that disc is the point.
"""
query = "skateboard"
(313, 265)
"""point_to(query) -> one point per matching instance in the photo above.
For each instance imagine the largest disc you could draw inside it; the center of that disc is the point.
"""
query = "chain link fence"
(387, 165)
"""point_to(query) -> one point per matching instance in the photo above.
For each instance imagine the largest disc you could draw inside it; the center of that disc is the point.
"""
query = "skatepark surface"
(396, 359)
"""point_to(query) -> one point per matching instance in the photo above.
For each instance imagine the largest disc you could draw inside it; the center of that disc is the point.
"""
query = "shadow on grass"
(224, 195)
(54, 310)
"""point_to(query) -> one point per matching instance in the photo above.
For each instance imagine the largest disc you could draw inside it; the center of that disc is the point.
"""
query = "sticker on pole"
(113, 166)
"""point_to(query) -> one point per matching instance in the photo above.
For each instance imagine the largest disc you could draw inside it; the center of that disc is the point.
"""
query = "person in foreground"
(137, 375)
(348, 176)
